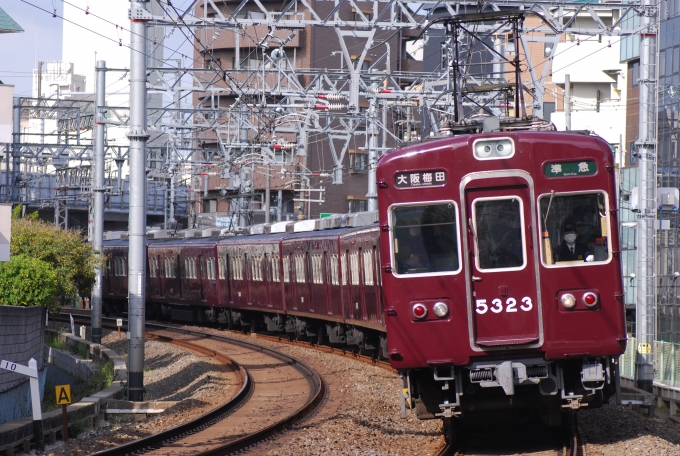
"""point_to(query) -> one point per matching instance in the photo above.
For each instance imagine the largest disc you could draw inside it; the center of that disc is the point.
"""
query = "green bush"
(28, 281)
(65, 251)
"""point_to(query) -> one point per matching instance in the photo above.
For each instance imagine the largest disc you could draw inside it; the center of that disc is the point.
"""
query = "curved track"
(277, 391)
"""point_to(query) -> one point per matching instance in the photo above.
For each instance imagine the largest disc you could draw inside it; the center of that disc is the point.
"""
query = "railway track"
(475, 445)
(278, 391)
(517, 441)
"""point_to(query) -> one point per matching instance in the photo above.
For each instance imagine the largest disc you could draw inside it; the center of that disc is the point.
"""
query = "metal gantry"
(265, 116)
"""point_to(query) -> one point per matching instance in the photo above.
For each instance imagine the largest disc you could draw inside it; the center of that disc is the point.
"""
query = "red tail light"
(590, 299)
(419, 311)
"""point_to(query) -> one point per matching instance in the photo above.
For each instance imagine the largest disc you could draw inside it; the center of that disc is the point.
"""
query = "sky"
(41, 40)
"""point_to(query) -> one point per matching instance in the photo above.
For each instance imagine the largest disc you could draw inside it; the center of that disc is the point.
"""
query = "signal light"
(568, 301)
(419, 311)
(590, 299)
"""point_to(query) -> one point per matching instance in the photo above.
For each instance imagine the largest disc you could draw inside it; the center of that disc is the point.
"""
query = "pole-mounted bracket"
(138, 134)
(136, 13)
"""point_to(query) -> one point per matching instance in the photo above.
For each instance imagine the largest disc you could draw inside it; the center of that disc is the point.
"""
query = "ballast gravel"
(360, 415)
(197, 383)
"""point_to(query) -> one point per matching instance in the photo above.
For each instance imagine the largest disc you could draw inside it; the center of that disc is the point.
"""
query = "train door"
(201, 280)
(370, 294)
(267, 285)
(356, 296)
(180, 275)
(504, 303)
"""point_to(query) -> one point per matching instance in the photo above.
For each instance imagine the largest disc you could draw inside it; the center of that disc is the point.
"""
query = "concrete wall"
(22, 334)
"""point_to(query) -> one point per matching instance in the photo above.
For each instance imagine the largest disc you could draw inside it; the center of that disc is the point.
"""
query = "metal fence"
(667, 356)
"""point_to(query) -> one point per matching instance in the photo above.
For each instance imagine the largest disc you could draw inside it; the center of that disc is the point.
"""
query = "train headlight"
(493, 149)
(590, 299)
(568, 301)
(419, 311)
(504, 147)
(483, 149)
(441, 310)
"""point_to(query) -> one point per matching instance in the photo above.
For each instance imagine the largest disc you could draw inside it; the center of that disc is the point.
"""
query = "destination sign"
(567, 169)
(420, 179)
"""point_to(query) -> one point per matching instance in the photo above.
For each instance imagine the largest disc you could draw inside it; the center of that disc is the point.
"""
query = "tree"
(70, 257)
(26, 281)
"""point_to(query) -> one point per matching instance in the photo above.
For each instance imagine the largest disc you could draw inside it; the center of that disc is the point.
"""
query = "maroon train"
(501, 287)
(317, 284)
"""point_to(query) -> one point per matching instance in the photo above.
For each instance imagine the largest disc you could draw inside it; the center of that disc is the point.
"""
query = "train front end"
(501, 274)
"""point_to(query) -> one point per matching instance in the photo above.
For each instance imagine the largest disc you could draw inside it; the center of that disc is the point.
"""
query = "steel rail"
(155, 441)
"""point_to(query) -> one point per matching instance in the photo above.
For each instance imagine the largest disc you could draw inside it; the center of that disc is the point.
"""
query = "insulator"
(330, 106)
(377, 90)
(481, 375)
(331, 96)
(284, 146)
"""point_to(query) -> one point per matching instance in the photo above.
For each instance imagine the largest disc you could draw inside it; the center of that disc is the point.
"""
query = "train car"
(321, 285)
(181, 274)
(501, 275)
(115, 276)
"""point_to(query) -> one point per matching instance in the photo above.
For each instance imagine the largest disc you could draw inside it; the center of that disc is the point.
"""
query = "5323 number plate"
(497, 305)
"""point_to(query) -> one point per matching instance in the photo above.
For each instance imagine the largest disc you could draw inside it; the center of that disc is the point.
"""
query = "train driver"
(411, 254)
(569, 250)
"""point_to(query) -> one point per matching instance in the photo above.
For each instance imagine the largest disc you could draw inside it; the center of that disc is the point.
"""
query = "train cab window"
(424, 238)
(499, 233)
(574, 229)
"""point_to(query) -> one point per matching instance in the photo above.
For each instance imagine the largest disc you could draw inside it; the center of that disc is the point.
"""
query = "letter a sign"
(63, 394)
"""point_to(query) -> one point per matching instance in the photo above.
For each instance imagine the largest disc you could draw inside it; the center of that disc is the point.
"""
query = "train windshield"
(574, 228)
(498, 225)
(424, 238)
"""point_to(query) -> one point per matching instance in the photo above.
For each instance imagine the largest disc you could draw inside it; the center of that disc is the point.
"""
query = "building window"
(358, 161)
(357, 204)
(548, 47)
(412, 49)
(212, 64)
(209, 205)
(635, 66)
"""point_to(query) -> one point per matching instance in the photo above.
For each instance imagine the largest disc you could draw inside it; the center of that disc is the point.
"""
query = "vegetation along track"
(277, 391)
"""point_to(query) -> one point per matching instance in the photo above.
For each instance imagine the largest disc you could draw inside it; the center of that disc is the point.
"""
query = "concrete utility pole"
(646, 151)
(16, 149)
(267, 195)
(372, 132)
(567, 102)
(98, 189)
(137, 220)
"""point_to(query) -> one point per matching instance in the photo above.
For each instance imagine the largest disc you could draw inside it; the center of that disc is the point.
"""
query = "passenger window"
(286, 269)
(354, 267)
(574, 228)
(498, 230)
(222, 267)
(368, 267)
(275, 268)
(343, 268)
(424, 238)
